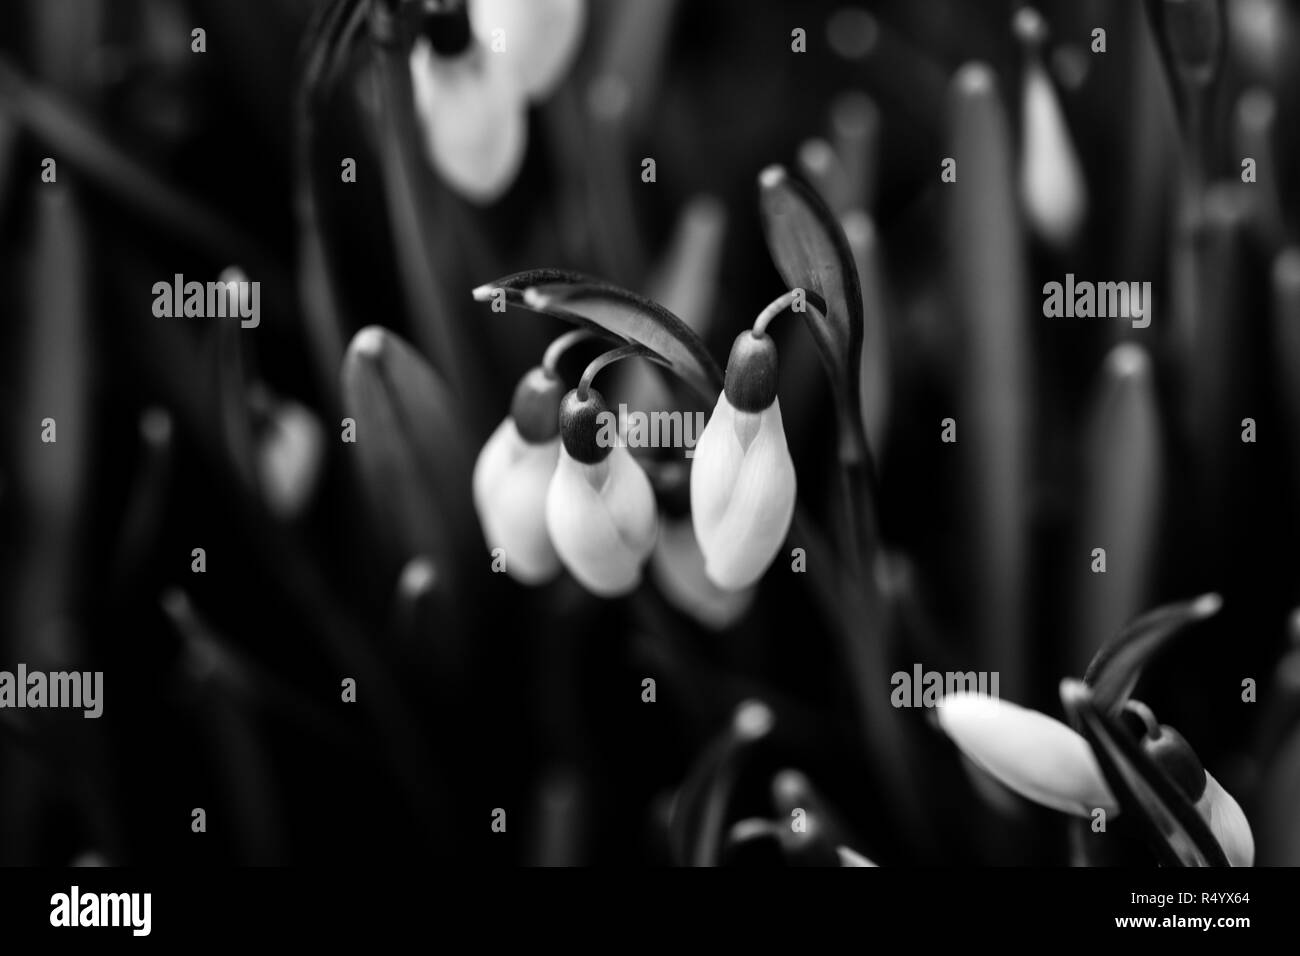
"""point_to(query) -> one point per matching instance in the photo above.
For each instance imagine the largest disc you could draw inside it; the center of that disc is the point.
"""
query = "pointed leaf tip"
(1116, 668)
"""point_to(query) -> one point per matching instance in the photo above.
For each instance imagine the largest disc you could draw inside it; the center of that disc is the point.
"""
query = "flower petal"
(537, 42)
(475, 130)
(511, 479)
(630, 501)
(1228, 823)
(742, 493)
(718, 457)
(1039, 758)
(602, 521)
(678, 566)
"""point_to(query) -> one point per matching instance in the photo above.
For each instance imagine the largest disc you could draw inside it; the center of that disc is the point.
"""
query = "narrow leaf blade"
(811, 252)
(1115, 669)
(620, 314)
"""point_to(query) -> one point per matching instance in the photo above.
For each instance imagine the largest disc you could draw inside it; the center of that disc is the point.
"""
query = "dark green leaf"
(810, 250)
(1115, 669)
(409, 449)
(622, 315)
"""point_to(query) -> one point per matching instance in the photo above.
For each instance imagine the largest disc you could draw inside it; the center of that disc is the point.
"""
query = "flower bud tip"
(369, 341)
(974, 79)
(754, 719)
(771, 177)
(1207, 605)
(156, 425)
(1128, 361)
(1029, 26)
(418, 577)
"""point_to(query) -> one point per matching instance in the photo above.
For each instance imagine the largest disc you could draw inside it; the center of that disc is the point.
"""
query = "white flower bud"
(742, 492)
(1039, 758)
(603, 520)
(511, 478)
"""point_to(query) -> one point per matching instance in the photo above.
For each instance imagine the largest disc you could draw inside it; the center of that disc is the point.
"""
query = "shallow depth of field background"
(222, 688)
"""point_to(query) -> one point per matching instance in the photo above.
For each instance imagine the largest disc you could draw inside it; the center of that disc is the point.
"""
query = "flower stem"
(630, 350)
(775, 308)
(555, 351)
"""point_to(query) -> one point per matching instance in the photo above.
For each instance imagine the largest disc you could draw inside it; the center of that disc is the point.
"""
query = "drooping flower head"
(512, 475)
(1047, 762)
(474, 70)
(743, 480)
(600, 507)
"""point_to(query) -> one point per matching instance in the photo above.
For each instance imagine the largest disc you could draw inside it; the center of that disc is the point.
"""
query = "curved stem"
(555, 351)
(775, 308)
(630, 350)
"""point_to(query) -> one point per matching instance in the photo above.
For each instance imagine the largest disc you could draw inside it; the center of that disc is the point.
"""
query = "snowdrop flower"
(475, 70)
(743, 481)
(1049, 763)
(1038, 757)
(1051, 179)
(600, 507)
(512, 475)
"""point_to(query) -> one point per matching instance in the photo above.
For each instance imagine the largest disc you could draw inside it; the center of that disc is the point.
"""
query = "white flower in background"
(678, 565)
(1049, 763)
(743, 480)
(1052, 185)
(1038, 757)
(600, 508)
(474, 73)
(512, 476)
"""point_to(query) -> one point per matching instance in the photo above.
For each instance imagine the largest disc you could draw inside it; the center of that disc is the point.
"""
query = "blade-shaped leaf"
(515, 284)
(620, 314)
(811, 252)
(1115, 669)
(409, 449)
(1173, 827)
